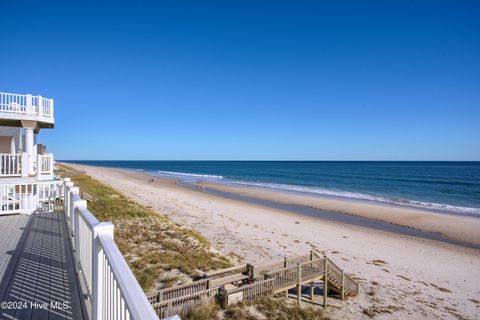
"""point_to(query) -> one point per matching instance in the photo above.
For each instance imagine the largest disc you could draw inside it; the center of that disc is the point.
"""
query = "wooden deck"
(249, 283)
(37, 276)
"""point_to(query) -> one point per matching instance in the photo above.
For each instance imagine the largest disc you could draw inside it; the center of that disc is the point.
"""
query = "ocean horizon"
(444, 186)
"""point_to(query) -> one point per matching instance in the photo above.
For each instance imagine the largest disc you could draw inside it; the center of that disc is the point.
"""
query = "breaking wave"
(360, 196)
(187, 175)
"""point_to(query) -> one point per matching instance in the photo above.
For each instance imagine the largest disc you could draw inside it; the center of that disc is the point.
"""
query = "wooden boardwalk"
(37, 276)
(249, 283)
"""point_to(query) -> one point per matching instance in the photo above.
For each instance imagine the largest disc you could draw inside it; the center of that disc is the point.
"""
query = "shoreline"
(349, 199)
(335, 216)
(439, 206)
(415, 277)
(455, 227)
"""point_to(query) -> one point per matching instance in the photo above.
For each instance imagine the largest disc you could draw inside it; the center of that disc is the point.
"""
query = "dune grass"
(150, 242)
(268, 308)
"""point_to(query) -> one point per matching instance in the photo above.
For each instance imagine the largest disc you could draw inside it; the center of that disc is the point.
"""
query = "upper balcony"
(15, 108)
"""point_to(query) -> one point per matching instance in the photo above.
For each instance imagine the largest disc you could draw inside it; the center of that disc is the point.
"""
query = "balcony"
(15, 165)
(15, 108)
(26, 197)
(10, 165)
(44, 166)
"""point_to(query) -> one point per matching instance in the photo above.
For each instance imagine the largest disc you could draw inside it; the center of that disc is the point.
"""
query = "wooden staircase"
(336, 285)
(248, 283)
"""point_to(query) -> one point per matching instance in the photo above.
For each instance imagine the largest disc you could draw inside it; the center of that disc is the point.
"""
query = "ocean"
(451, 187)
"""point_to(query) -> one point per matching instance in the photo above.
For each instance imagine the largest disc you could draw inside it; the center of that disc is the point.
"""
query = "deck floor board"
(37, 268)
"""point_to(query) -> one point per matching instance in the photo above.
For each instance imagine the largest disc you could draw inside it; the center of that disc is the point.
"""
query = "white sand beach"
(401, 276)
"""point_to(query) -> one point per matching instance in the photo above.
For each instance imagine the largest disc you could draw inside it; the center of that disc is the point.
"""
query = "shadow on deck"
(37, 275)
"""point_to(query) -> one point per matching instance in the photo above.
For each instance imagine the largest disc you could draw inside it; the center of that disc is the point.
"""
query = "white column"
(29, 149)
(30, 127)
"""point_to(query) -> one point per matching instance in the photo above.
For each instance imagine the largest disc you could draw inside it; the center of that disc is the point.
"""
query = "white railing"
(110, 284)
(45, 163)
(28, 197)
(26, 104)
(10, 165)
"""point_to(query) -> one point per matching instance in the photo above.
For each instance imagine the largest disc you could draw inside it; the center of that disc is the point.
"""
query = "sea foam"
(359, 196)
(323, 192)
(191, 175)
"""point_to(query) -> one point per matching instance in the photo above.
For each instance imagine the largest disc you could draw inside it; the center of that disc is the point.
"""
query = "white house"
(26, 168)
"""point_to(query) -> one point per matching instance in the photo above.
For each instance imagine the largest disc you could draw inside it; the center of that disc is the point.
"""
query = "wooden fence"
(248, 293)
(225, 272)
(183, 305)
(178, 291)
(260, 270)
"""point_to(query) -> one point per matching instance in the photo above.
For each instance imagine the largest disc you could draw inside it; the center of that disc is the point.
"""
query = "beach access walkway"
(249, 283)
(37, 277)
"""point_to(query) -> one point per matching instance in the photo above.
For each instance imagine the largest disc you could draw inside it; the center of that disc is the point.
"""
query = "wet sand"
(455, 227)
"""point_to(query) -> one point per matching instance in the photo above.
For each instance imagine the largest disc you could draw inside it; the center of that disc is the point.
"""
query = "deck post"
(343, 285)
(39, 166)
(284, 266)
(312, 292)
(66, 201)
(66, 181)
(223, 293)
(51, 107)
(299, 284)
(103, 228)
(325, 282)
(251, 271)
(71, 208)
(24, 164)
(75, 206)
(40, 105)
(28, 104)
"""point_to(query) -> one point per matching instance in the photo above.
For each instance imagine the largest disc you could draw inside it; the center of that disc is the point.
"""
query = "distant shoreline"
(442, 187)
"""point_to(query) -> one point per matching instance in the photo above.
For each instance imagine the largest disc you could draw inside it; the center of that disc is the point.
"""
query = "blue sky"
(312, 80)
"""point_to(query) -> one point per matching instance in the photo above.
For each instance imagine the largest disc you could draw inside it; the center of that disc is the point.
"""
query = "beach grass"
(151, 244)
(267, 308)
